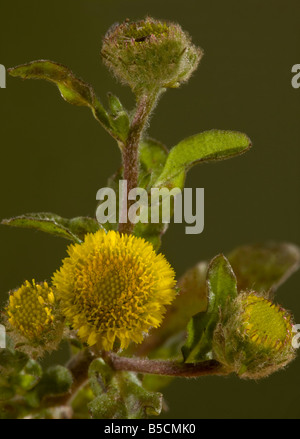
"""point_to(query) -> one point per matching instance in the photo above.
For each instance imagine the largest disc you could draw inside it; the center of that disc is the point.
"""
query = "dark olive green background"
(54, 157)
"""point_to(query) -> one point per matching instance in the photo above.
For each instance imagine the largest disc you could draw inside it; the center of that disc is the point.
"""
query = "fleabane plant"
(115, 299)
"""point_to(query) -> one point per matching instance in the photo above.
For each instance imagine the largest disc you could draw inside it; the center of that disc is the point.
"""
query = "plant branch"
(165, 367)
(130, 156)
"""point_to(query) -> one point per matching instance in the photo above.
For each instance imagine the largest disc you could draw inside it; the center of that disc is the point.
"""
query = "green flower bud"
(254, 337)
(150, 54)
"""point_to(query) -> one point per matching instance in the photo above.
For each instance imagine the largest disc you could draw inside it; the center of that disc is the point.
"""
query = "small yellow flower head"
(30, 311)
(265, 324)
(114, 287)
(150, 54)
(255, 337)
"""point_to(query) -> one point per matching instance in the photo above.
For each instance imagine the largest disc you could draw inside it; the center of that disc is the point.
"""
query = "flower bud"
(150, 54)
(33, 316)
(254, 337)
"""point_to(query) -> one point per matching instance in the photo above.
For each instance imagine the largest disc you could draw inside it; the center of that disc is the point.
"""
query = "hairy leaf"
(264, 267)
(56, 380)
(12, 361)
(153, 156)
(208, 146)
(72, 229)
(119, 118)
(221, 288)
(72, 89)
(120, 395)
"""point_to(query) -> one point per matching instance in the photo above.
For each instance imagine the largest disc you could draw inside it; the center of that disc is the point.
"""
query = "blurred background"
(54, 156)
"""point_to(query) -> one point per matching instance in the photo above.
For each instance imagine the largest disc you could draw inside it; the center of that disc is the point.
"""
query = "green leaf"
(56, 380)
(33, 368)
(119, 118)
(153, 156)
(25, 381)
(100, 376)
(139, 402)
(80, 402)
(72, 89)
(221, 288)
(208, 146)
(107, 406)
(151, 233)
(120, 395)
(264, 267)
(29, 376)
(82, 225)
(12, 361)
(72, 229)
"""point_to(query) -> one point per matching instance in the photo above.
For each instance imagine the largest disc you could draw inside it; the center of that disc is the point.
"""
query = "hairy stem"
(165, 367)
(130, 155)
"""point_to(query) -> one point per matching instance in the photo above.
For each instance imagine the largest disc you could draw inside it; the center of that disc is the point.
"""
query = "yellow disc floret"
(114, 287)
(267, 325)
(30, 310)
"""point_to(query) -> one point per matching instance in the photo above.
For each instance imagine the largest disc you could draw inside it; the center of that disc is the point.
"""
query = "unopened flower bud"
(254, 337)
(150, 54)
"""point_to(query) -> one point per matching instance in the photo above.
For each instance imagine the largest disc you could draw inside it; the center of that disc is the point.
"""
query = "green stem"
(130, 156)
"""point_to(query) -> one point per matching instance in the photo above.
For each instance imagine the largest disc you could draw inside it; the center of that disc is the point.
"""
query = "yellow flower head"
(114, 287)
(30, 310)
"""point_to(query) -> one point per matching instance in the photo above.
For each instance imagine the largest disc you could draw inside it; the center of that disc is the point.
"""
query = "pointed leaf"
(73, 229)
(221, 288)
(264, 267)
(208, 146)
(72, 89)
